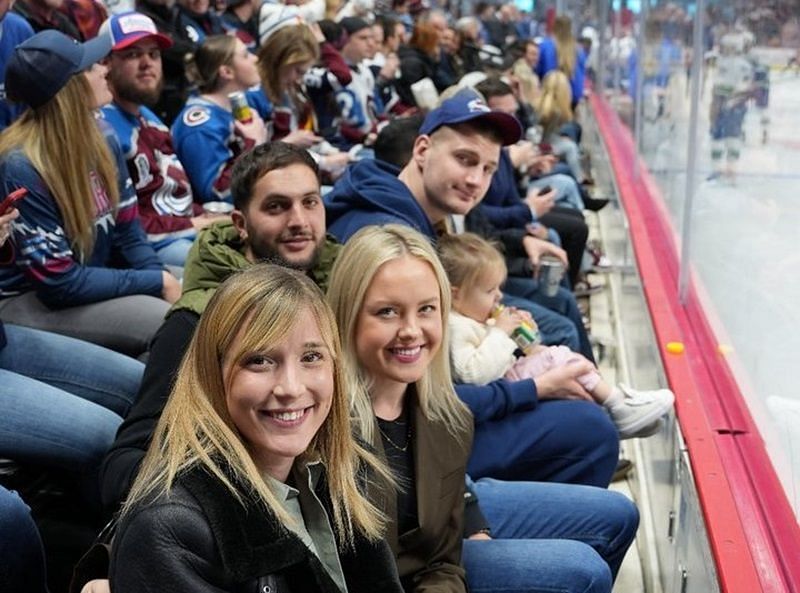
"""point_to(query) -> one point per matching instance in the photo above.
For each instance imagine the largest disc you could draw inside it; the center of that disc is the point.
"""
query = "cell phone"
(544, 190)
(11, 199)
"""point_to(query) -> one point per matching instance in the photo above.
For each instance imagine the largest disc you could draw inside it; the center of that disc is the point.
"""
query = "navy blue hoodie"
(370, 193)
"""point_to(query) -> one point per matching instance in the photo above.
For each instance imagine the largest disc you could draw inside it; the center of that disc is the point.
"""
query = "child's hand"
(508, 320)
(527, 318)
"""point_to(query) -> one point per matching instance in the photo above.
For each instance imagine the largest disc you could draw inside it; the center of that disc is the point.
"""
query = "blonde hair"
(352, 274)
(554, 107)
(467, 257)
(257, 307)
(202, 67)
(286, 47)
(64, 144)
(566, 46)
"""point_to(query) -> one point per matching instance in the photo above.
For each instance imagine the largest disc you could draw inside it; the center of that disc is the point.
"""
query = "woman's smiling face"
(279, 398)
(399, 326)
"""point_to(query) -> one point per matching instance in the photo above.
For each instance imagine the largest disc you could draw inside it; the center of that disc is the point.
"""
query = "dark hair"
(493, 87)
(518, 48)
(395, 142)
(389, 25)
(333, 32)
(257, 162)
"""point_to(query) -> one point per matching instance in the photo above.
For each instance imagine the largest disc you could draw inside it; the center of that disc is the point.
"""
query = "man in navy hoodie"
(454, 159)
(522, 430)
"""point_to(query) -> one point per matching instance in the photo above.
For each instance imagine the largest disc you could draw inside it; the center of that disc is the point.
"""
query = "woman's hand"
(97, 586)
(5, 225)
(302, 138)
(562, 382)
(171, 289)
(254, 130)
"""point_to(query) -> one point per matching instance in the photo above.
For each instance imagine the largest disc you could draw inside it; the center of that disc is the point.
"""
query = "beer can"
(240, 108)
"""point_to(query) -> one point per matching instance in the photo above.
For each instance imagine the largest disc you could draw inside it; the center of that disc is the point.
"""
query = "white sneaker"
(639, 413)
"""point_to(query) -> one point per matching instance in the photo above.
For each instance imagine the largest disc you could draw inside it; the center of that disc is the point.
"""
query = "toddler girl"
(482, 350)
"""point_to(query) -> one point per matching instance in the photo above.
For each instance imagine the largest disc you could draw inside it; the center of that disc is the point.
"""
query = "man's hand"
(536, 248)
(562, 382)
(523, 154)
(541, 204)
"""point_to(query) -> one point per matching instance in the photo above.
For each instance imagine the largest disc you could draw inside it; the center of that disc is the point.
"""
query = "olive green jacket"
(218, 252)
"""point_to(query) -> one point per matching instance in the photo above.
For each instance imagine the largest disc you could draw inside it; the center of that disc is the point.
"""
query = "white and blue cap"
(41, 65)
(468, 105)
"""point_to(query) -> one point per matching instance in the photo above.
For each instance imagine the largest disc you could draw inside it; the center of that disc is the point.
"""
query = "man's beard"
(127, 92)
(265, 254)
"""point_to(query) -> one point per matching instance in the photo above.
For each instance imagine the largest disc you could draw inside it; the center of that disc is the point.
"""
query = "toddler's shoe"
(637, 414)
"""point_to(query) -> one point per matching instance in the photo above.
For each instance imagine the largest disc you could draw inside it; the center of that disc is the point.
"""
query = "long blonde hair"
(566, 46)
(356, 266)
(258, 306)
(286, 47)
(64, 144)
(554, 107)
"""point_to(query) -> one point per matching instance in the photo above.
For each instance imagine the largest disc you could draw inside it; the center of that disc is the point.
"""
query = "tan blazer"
(429, 556)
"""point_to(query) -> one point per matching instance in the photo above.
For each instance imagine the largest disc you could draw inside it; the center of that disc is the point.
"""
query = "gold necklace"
(402, 449)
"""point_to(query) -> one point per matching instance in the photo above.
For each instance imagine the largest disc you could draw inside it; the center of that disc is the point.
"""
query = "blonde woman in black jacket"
(251, 482)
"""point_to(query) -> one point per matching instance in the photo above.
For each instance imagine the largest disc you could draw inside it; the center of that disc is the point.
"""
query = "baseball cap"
(468, 105)
(353, 24)
(131, 27)
(41, 65)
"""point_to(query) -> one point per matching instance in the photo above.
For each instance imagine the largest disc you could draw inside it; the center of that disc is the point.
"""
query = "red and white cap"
(128, 28)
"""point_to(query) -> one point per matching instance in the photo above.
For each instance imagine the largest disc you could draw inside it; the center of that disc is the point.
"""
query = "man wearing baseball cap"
(168, 214)
(453, 161)
(454, 158)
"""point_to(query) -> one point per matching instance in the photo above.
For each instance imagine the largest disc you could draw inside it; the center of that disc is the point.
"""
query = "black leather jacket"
(200, 539)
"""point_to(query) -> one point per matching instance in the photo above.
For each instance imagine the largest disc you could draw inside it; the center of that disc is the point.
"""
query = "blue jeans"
(549, 537)
(61, 400)
(522, 290)
(561, 440)
(567, 192)
(174, 252)
(22, 567)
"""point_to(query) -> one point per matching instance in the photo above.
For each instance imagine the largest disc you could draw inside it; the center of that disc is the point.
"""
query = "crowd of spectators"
(163, 154)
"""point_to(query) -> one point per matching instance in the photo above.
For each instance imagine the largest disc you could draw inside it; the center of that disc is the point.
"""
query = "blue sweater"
(370, 193)
(548, 60)
(43, 257)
